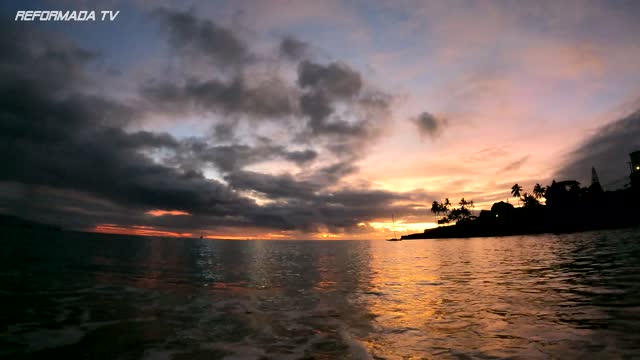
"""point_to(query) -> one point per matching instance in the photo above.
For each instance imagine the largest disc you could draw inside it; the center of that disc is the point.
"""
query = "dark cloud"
(364, 111)
(327, 108)
(69, 155)
(515, 165)
(318, 107)
(66, 139)
(301, 157)
(224, 87)
(608, 151)
(335, 80)
(329, 87)
(429, 125)
(23, 51)
(233, 157)
(224, 132)
(293, 49)
(201, 38)
(357, 198)
(333, 173)
(302, 204)
(271, 98)
(282, 186)
(274, 187)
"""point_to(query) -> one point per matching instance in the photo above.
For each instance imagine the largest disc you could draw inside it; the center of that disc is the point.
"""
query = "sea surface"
(74, 295)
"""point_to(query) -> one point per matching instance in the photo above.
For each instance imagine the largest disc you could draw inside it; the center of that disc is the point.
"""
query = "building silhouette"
(635, 170)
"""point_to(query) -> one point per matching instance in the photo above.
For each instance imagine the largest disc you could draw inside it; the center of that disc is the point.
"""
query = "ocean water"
(75, 295)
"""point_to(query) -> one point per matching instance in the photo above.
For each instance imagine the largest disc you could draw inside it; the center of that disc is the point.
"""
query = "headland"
(568, 208)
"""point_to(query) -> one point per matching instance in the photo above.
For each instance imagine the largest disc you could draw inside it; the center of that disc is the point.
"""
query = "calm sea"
(75, 295)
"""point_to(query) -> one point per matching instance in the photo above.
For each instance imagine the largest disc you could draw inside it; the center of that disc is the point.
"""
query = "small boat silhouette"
(393, 222)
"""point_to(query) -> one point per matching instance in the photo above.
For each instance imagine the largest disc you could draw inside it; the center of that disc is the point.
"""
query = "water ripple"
(538, 297)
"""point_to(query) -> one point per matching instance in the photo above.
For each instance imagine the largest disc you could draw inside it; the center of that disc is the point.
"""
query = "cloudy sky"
(308, 119)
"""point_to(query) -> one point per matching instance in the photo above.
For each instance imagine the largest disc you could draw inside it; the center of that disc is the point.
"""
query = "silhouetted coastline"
(569, 208)
(11, 221)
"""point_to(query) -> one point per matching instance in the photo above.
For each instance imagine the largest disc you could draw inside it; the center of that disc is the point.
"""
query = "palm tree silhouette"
(515, 191)
(435, 209)
(444, 208)
(538, 191)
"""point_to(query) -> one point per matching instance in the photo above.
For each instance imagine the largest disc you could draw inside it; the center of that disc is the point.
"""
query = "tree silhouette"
(538, 191)
(435, 209)
(462, 213)
(529, 201)
(515, 191)
(444, 207)
(575, 188)
(441, 209)
(458, 214)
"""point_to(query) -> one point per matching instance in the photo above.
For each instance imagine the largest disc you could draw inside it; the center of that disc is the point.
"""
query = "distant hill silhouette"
(18, 222)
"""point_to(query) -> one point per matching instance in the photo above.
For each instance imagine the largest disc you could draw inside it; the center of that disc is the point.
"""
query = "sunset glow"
(331, 179)
(312, 120)
(137, 230)
(167, 212)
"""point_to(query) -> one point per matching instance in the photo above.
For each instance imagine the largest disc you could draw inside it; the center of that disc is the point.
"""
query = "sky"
(283, 119)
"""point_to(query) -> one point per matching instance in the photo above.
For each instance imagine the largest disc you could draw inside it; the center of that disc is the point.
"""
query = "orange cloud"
(159, 212)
